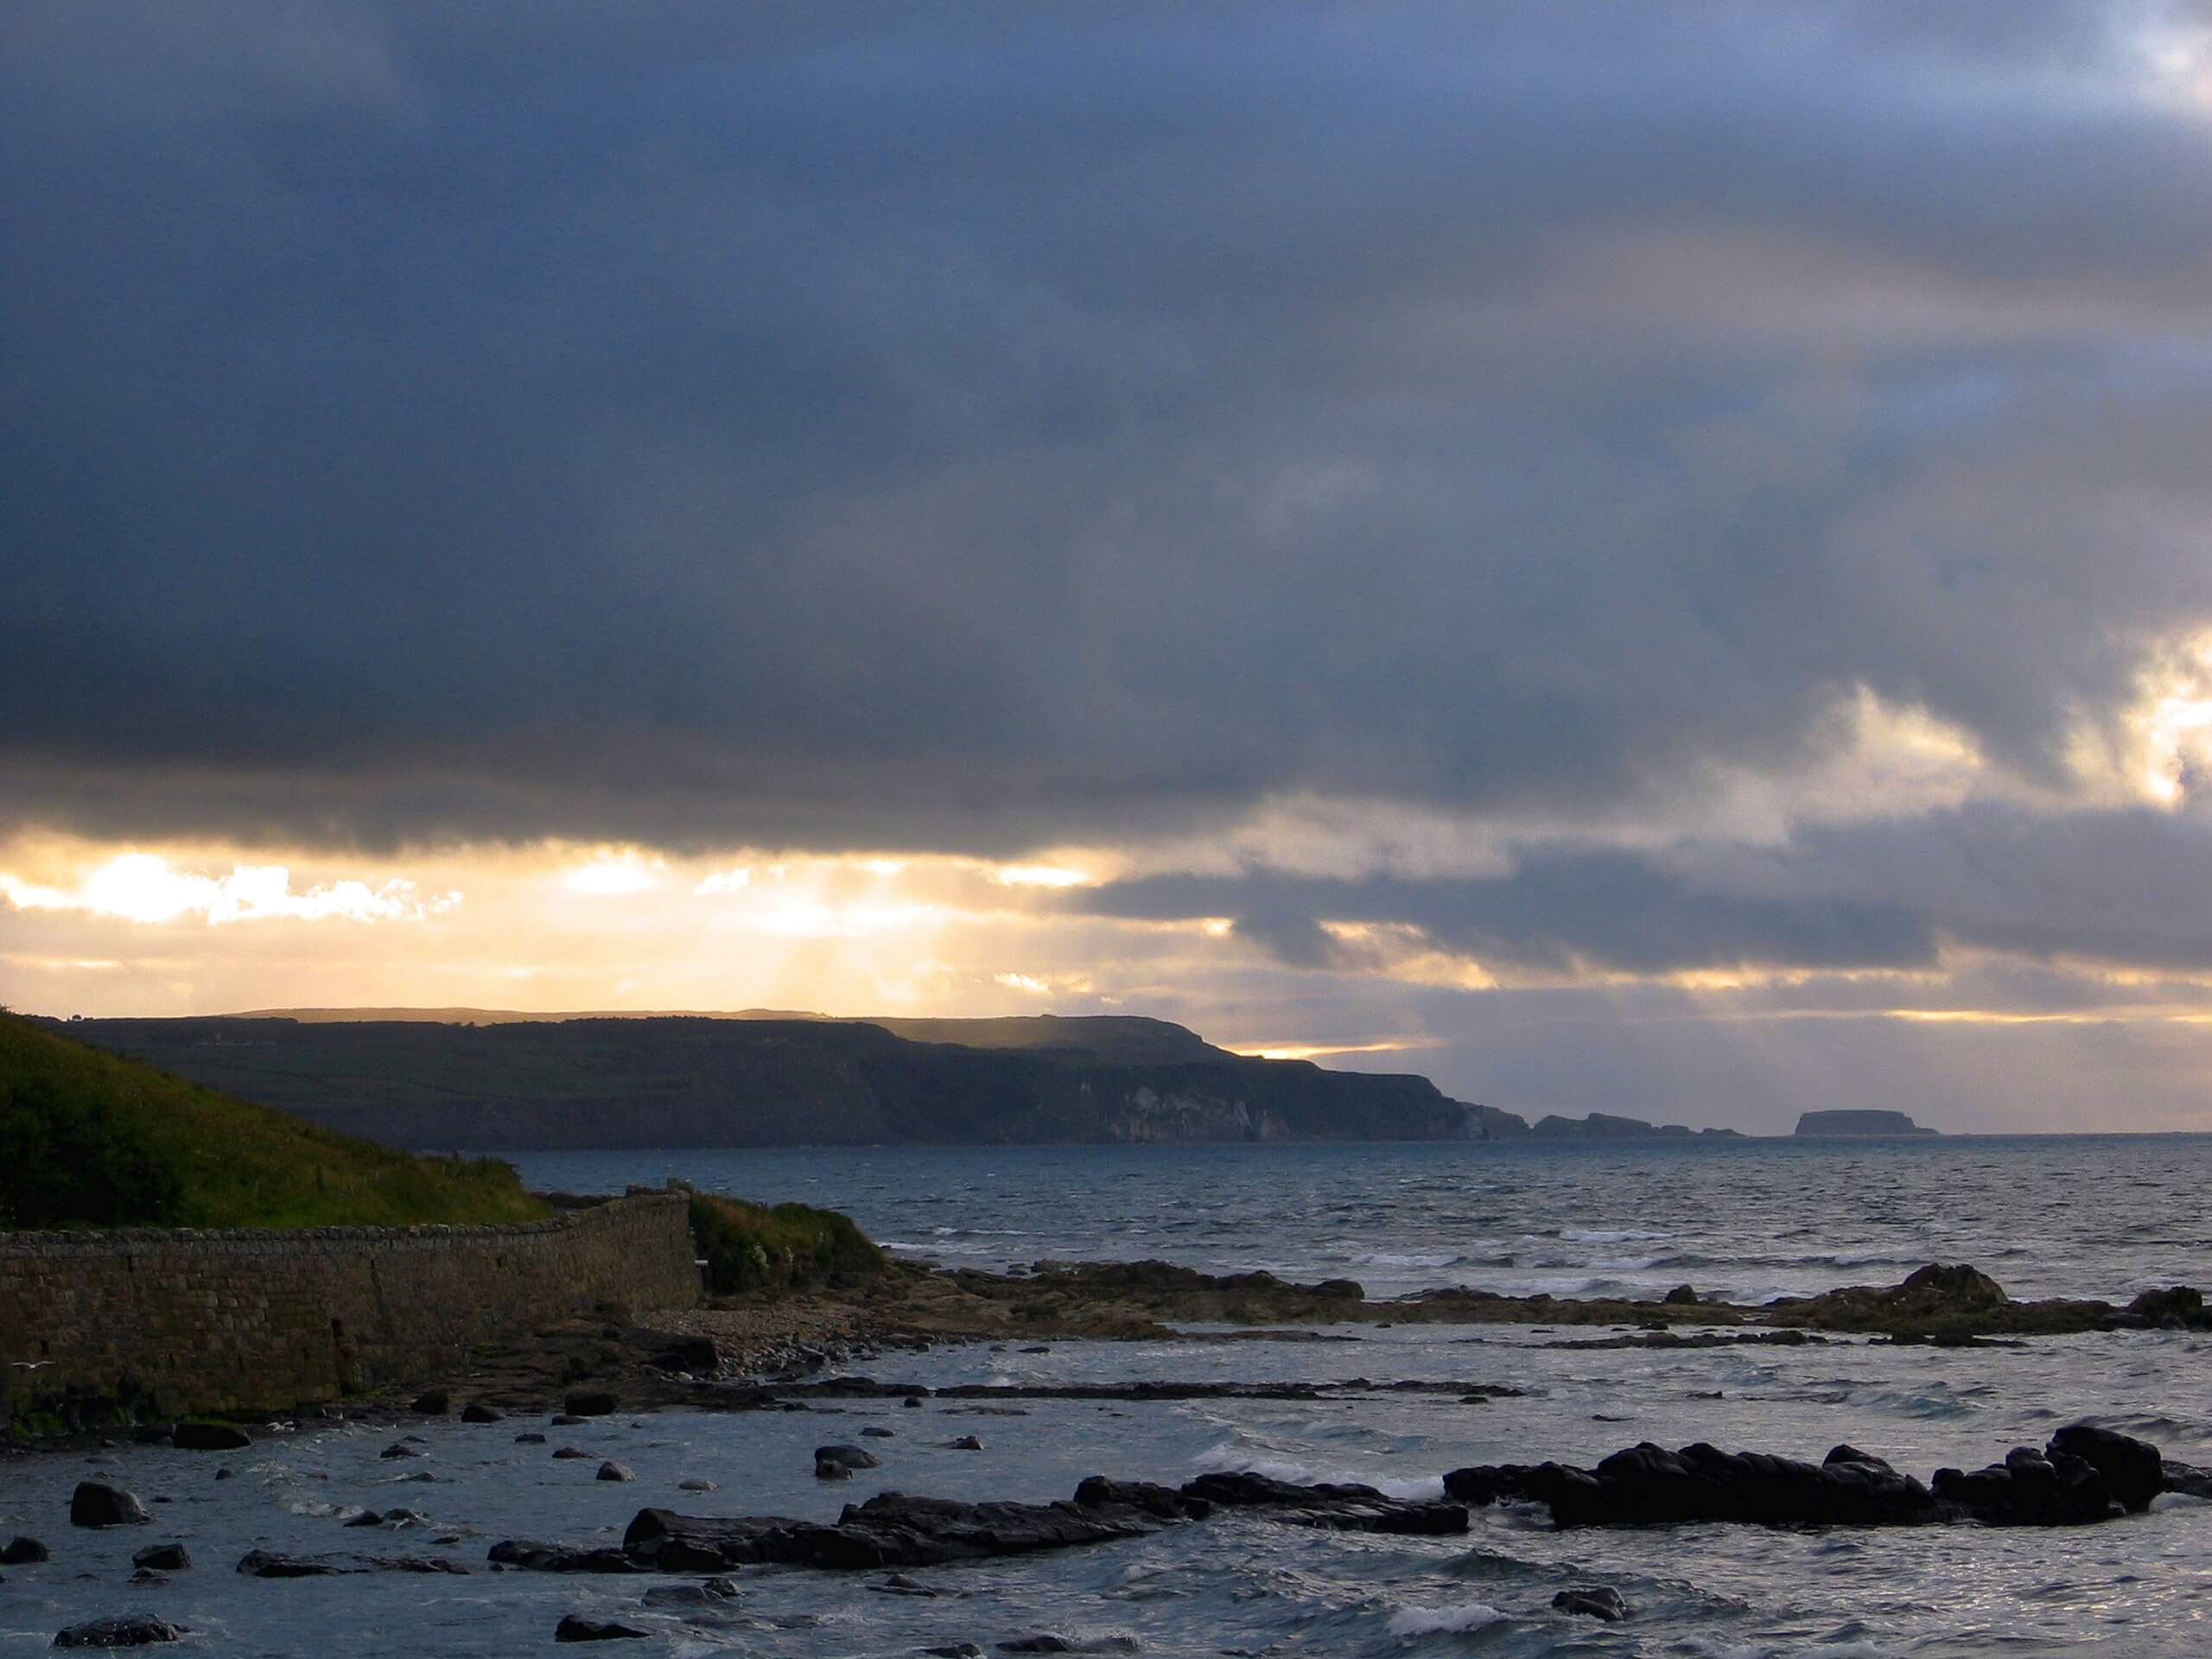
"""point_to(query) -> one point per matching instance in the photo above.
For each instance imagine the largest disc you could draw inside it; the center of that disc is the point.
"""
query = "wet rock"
(477, 1411)
(272, 1564)
(436, 1403)
(2028, 1490)
(694, 1484)
(830, 1469)
(714, 1592)
(226, 1473)
(877, 1431)
(564, 1419)
(94, 1503)
(889, 1530)
(1680, 1296)
(574, 1627)
(210, 1437)
(2134, 1470)
(898, 1584)
(400, 1449)
(24, 1552)
(2178, 1308)
(612, 1470)
(1597, 1601)
(852, 1457)
(163, 1558)
(911, 1402)
(568, 1452)
(964, 1443)
(1649, 1485)
(2187, 1478)
(588, 1402)
(955, 1650)
(146, 1575)
(530, 1436)
(1345, 1508)
(560, 1558)
(1164, 1502)
(130, 1631)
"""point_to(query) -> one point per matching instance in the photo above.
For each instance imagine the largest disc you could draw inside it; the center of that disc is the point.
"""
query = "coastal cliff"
(702, 1082)
(1856, 1124)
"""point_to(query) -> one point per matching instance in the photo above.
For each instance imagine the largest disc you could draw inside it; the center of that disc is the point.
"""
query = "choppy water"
(2143, 1585)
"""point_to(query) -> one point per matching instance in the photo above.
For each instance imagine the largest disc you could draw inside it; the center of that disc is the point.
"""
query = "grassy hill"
(90, 1139)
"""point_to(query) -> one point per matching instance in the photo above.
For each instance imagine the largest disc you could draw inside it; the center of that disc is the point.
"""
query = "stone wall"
(246, 1319)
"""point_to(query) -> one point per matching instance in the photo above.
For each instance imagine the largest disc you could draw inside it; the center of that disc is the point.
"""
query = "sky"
(1652, 559)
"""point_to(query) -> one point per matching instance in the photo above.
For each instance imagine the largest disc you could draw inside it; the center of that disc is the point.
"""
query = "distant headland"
(1858, 1124)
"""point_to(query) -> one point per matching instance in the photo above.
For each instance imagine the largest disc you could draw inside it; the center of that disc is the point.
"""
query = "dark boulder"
(272, 1564)
(852, 1457)
(96, 1505)
(1649, 1485)
(399, 1449)
(24, 1552)
(1598, 1601)
(574, 1627)
(1680, 1296)
(210, 1437)
(1339, 1508)
(877, 1431)
(588, 1402)
(1096, 1492)
(830, 1469)
(477, 1411)
(2134, 1470)
(560, 1558)
(612, 1470)
(163, 1558)
(964, 1443)
(2177, 1308)
(2028, 1490)
(130, 1630)
(570, 1451)
(530, 1436)
(436, 1403)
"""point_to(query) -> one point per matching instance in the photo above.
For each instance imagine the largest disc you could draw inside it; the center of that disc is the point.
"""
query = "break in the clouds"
(1457, 497)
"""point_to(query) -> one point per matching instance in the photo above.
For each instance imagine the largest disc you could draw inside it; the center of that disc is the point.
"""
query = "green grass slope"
(88, 1139)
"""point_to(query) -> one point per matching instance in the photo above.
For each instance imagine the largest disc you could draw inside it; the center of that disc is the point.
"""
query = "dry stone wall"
(251, 1320)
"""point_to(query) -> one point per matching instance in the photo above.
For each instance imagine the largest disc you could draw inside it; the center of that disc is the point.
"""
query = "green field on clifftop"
(88, 1139)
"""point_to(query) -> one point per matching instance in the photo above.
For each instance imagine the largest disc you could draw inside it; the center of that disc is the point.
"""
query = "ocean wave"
(1610, 1235)
(1445, 1621)
(1385, 1259)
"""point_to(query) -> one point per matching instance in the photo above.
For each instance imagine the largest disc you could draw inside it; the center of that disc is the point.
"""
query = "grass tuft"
(752, 1246)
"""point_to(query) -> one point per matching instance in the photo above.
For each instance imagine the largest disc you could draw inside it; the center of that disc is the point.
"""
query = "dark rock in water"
(210, 1437)
(900, 1585)
(564, 1419)
(2181, 1307)
(955, 1650)
(268, 1564)
(226, 1473)
(1341, 1290)
(2187, 1478)
(1165, 1502)
(964, 1443)
(530, 1436)
(560, 1558)
(696, 1355)
(574, 1627)
(24, 1552)
(1648, 1486)
(477, 1411)
(852, 1457)
(911, 1402)
(163, 1558)
(1046, 1643)
(130, 1630)
(436, 1403)
(714, 1592)
(889, 1530)
(2028, 1490)
(1598, 1601)
(147, 1575)
(588, 1402)
(2134, 1470)
(571, 1452)
(399, 1449)
(1680, 1296)
(877, 1431)
(696, 1483)
(612, 1470)
(96, 1505)
(1340, 1507)
(830, 1469)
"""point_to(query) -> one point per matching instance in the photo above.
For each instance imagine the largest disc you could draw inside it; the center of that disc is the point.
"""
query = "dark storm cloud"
(1562, 911)
(970, 426)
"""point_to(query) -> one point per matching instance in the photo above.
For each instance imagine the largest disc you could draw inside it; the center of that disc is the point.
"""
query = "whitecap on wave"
(1441, 1621)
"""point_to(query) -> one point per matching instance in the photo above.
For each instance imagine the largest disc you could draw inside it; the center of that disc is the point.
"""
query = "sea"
(2093, 1216)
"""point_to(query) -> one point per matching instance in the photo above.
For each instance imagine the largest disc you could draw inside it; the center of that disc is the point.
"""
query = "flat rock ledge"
(894, 1531)
(2085, 1474)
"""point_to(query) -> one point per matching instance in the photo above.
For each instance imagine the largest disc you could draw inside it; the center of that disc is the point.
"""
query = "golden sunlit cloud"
(145, 887)
(616, 873)
(1318, 1051)
(723, 881)
(1022, 982)
(1038, 875)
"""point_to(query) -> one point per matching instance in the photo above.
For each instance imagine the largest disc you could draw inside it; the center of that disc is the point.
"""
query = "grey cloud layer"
(970, 427)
